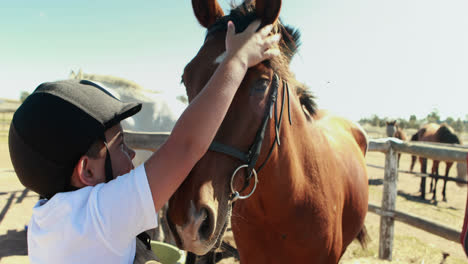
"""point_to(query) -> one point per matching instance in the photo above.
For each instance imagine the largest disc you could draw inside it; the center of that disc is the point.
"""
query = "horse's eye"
(260, 86)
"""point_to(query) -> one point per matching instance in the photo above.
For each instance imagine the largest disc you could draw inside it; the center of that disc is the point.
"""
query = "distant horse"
(442, 134)
(306, 198)
(393, 130)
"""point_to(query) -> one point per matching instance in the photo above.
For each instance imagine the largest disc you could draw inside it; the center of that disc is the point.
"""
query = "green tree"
(458, 126)
(23, 96)
(433, 117)
(413, 122)
(364, 121)
(450, 121)
(403, 123)
(375, 121)
(182, 98)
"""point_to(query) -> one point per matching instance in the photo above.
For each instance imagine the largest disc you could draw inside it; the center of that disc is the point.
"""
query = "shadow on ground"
(13, 243)
(375, 181)
(416, 197)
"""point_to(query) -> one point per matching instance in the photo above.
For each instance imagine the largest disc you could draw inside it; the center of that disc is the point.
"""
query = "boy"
(66, 144)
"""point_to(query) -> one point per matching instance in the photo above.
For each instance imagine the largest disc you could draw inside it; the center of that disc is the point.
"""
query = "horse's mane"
(245, 14)
(446, 134)
(415, 137)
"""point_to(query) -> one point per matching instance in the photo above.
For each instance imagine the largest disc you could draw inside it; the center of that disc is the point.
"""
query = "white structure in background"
(159, 112)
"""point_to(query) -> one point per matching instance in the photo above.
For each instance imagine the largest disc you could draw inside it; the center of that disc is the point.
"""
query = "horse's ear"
(207, 11)
(268, 10)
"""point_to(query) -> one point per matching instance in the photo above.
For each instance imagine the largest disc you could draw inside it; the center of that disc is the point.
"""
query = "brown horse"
(306, 198)
(442, 134)
(393, 130)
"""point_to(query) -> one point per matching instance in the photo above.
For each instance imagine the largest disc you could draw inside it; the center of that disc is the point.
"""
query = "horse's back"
(428, 132)
(341, 127)
(348, 142)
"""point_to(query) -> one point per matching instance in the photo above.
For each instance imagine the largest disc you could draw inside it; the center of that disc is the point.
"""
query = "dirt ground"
(411, 245)
(15, 205)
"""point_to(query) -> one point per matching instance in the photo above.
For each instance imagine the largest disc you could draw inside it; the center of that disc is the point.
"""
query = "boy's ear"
(85, 173)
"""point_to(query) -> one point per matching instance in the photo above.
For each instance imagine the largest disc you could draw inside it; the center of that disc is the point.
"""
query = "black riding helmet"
(55, 126)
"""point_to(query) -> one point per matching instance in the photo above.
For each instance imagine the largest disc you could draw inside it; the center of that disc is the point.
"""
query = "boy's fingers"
(270, 53)
(266, 30)
(231, 28)
(272, 40)
(253, 26)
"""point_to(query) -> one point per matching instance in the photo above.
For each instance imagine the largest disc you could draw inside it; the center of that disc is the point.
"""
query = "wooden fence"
(145, 140)
(390, 147)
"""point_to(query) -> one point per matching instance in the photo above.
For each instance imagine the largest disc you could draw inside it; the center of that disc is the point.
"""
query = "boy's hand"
(251, 47)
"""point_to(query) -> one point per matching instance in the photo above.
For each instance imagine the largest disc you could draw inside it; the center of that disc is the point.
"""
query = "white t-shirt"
(94, 224)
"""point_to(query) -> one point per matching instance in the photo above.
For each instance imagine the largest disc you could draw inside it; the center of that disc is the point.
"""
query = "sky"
(360, 58)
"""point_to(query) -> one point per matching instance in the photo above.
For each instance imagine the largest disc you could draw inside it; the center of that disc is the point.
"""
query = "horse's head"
(200, 209)
(391, 128)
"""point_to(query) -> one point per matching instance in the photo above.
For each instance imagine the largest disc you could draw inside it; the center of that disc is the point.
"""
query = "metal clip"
(235, 196)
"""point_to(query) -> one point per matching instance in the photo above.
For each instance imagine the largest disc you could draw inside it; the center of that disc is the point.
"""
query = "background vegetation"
(412, 122)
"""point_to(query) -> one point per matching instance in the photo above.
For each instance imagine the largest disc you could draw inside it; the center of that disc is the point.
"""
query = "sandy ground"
(16, 204)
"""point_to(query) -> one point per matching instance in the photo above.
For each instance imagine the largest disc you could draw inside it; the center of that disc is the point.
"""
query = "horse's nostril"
(206, 227)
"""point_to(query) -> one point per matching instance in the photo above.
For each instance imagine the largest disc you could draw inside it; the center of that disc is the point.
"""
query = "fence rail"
(423, 175)
(445, 152)
(145, 140)
(410, 219)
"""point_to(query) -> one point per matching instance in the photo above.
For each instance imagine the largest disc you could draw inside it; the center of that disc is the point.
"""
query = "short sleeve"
(122, 208)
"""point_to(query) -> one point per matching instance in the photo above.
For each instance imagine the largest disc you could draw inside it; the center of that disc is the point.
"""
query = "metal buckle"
(235, 194)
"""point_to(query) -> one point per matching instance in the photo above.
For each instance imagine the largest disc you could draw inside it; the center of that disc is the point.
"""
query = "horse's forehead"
(205, 62)
(213, 49)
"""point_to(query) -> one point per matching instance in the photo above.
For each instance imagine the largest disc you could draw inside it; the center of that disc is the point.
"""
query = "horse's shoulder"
(345, 126)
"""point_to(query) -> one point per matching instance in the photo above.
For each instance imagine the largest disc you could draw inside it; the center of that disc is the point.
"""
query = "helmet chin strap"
(144, 237)
(108, 165)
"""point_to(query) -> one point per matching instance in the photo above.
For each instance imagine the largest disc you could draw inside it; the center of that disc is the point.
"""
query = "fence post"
(422, 188)
(388, 204)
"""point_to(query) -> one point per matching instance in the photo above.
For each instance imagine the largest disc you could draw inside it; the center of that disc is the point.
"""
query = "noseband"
(250, 157)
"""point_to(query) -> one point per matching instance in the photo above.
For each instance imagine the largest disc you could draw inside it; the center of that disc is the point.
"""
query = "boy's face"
(121, 155)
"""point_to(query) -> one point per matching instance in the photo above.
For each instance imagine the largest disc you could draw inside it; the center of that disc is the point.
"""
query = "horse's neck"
(279, 178)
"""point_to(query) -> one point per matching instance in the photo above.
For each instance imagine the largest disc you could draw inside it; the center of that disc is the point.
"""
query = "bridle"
(250, 157)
